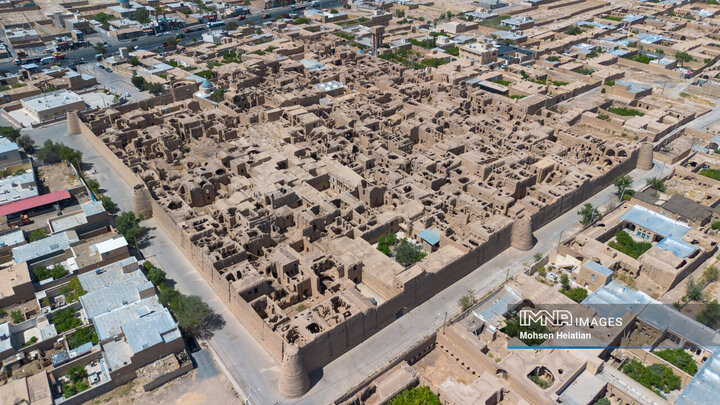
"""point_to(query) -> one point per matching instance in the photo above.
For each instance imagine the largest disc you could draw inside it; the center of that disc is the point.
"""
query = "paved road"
(97, 167)
(115, 82)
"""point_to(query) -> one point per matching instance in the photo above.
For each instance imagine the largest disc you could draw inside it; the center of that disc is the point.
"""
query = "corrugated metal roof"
(430, 236)
(705, 385)
(34, 202)
(599, 268)
(655, 222)
(676, 247)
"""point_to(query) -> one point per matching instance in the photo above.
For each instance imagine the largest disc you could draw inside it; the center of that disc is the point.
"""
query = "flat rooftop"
(52, 100)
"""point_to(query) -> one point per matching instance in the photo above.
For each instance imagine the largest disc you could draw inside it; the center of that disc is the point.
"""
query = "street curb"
(225, 371)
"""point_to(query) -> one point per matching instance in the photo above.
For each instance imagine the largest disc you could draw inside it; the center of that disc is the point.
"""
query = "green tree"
(128, 225)
(656, 184)
(710, 315)
(142, 16)
(76, 373)
(623, 184)
(94, 186)
(680, 358)
(16, 316)
(108, 204)
(134, 61)
(576, 294)
(10, 133)
(138, 82)
(37, 234)
(104, 19)
(408, 253)
(169, 297)
(154, 274)
(193, 315)
(683, 57)
(602, 401)
(82, 336)
(154, 88)
(48, 153)
(415, 396)
(565, 282)
(231, 26)
(26, 143)
(693, 290)
(589, 214)
(101, 48)
(710, 274)
(467, 300)
(65, 319)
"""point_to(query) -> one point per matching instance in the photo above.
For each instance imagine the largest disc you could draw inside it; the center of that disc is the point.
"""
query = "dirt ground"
(186, 390)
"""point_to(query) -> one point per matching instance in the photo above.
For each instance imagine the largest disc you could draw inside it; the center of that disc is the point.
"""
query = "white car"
(127, 94)
(98, 64)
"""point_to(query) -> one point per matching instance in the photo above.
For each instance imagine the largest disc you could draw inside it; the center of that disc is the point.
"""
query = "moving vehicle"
(47, 60)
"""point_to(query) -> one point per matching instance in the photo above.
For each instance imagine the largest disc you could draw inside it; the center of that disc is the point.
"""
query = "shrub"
(693, 290)
(31, 341)
(467, 300)
(710, 173)
(654, 377)
(710, 315)
(415, 396)
(385, 241)
(82, 336)
(657, 184)
(513, 328)
(574, 31)
(576, 294)
(56, 272)
(627, 245)
(626, 112)
(65, 320)
(72, 290)
(37, 234)
(16, 316)
(710, 274)
(539, 381)
(679, 358)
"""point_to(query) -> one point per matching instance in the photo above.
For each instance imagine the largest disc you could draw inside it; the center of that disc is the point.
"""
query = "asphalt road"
(147, 43)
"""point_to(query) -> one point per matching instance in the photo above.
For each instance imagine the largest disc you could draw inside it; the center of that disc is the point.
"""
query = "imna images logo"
(556, 317)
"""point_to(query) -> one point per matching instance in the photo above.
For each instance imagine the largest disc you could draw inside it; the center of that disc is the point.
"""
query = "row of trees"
(141, 84)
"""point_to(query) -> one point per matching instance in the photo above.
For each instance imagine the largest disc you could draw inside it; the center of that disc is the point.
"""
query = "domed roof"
(206, 84)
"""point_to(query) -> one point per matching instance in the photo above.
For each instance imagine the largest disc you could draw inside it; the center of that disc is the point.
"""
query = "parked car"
(192, 344)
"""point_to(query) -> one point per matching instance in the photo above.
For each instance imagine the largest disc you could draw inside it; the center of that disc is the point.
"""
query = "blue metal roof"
(676, 247)
(430, 236)
(614, 299)
(503, 301)
(599, 268)
(655, 222)
(7, 145)
(705, 384)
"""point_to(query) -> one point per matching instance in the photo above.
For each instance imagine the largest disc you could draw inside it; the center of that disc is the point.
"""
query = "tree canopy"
(408, 253)
(128, 225)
